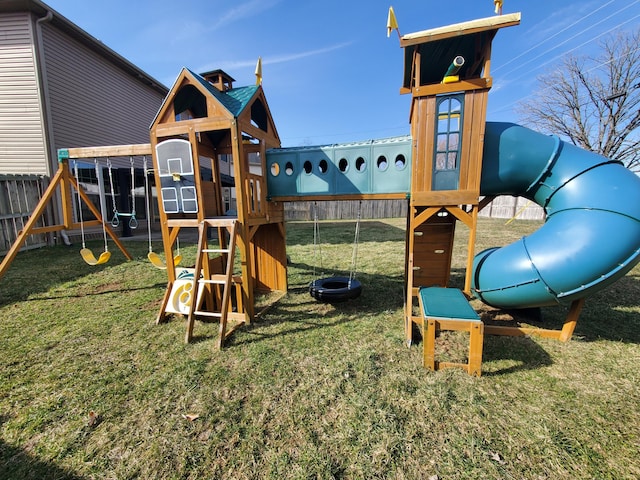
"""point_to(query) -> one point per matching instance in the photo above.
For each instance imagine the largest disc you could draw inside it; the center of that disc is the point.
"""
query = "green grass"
(309, 390)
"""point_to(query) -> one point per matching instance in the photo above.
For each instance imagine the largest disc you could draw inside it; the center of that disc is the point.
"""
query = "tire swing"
(339, 288)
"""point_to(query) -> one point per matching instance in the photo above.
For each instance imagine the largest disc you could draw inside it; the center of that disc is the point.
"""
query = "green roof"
(234, 100)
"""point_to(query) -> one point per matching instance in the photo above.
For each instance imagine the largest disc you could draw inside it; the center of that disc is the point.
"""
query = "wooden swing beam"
(65, 181)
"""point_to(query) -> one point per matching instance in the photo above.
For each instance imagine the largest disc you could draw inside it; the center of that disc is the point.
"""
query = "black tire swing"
(338, 288)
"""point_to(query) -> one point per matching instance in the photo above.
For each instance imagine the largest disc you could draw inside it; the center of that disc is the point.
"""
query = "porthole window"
(400, 162)
(308, 167)
(382, 163)
(275, 169)
(361, 164)
(323, 166)
(288, 168)
(343, 165)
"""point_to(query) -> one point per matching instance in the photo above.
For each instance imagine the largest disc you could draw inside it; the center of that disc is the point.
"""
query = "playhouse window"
(189, 103)
(446, 157)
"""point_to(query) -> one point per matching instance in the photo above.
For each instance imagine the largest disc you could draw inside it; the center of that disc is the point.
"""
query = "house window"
(446, 157)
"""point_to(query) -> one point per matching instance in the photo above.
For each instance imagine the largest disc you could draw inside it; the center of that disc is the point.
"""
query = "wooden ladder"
(225, 280)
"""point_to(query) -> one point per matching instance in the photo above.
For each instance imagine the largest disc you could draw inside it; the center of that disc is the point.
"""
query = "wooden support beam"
(562, 335)
(110, 151)
(65, 181)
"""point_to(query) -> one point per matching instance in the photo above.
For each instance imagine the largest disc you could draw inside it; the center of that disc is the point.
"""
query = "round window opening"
(288, 168)
(361, 165)
(323, 166)
(382, 163)
(308, 168)
(343, 165)
(275, 169)
(400, 162)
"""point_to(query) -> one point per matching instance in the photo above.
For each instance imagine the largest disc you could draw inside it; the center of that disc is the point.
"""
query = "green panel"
(371, 167)
(391, 166)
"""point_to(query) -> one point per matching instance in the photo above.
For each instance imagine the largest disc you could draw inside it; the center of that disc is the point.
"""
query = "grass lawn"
(90, 387)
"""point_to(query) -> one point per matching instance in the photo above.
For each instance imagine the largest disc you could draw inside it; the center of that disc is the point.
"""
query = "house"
(60, 87)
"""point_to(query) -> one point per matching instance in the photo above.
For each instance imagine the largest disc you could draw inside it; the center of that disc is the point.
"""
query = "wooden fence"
(513, 207)
(346, 209)
(19, 195)
(501, 207)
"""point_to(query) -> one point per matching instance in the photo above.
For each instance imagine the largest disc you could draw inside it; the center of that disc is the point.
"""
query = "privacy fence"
(19, 195)
(501, 207)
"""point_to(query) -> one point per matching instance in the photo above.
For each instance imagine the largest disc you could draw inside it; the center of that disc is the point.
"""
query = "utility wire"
(506, 107)
(553, 36)
(572, 37)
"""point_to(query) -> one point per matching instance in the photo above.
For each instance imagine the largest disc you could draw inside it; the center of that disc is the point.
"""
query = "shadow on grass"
(504, 355)
(298, 312)
(37, 271)
(17, 463)
(292, 322)
(610, 314)
(105, 291)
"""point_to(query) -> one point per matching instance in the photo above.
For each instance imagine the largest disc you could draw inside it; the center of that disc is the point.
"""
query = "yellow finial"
(258, 71)
(498, 4)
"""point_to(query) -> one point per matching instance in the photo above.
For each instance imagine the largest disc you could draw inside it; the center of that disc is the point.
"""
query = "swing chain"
(317, 249)
(147, 201)
(356, 239)
(75, 171)
(115, 220)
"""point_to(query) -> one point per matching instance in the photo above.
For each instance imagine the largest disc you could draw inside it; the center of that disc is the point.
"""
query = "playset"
(451, 166)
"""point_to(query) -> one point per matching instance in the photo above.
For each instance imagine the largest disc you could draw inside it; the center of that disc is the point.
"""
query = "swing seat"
(335, 289)
(89, 257)
(157, 262)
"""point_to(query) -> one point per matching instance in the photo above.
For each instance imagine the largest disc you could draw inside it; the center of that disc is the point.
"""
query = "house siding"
(92, 101)
(22, 145)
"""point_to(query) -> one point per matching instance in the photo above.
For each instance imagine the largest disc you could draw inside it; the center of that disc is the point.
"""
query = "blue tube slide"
(591, 236)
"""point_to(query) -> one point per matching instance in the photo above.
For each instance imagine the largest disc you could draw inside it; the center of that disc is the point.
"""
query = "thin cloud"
(562, 18)
(284, 58)
(244, 10)
(310, 53)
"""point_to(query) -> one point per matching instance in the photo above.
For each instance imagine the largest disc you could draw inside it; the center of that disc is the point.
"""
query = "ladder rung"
(214, 279)
(221, 278)
(216, 250)
(220, 221)
(208, 314)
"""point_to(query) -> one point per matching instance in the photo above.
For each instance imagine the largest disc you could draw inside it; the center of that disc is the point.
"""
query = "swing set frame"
(64, 181)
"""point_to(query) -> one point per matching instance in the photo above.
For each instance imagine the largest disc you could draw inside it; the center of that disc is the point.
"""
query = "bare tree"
(594, 102)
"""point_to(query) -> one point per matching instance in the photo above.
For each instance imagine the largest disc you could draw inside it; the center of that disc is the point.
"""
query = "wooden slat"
(110, 151)
(463, 28)
(442, 88)
(445, 197)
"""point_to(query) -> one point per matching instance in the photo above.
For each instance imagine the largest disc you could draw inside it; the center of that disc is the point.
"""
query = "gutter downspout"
(45, 115)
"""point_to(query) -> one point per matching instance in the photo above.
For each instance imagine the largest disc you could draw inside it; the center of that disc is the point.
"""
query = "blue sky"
(330, 73)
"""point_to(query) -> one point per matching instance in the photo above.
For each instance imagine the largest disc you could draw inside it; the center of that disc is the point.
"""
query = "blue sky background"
(330, 73)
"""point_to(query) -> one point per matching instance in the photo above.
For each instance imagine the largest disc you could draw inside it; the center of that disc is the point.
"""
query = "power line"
(572, 37)
(553, 36)
(506, 107)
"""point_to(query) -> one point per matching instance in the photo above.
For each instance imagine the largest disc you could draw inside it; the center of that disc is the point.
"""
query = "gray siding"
(93, 102)
(22, 146)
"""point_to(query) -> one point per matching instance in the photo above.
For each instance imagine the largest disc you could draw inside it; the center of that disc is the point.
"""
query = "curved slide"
(591, 236)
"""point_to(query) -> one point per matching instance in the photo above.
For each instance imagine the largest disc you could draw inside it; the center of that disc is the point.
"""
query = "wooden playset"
(205, 121)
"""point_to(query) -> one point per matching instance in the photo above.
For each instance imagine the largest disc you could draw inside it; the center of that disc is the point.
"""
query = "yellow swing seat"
(157, 262)
(89, 257)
